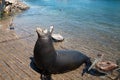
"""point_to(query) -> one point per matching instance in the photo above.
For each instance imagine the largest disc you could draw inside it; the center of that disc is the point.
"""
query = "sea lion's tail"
(88, 69)
(88, 64)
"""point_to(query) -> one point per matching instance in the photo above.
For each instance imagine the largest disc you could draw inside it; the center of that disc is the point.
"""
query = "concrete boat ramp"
(15, 53)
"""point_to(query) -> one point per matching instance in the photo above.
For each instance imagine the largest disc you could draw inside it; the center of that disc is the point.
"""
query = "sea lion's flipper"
(98, 59)
(46, 77)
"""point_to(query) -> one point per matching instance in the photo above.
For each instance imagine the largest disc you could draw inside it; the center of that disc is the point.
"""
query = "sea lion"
(51, 61)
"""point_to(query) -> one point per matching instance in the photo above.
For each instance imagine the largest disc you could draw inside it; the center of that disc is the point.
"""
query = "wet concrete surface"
(16, 48)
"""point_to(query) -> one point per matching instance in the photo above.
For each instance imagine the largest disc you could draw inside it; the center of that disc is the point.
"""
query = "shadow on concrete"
(93, 72)
(33, 66)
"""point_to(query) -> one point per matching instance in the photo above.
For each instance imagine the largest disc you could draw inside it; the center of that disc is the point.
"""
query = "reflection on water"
(90, 23)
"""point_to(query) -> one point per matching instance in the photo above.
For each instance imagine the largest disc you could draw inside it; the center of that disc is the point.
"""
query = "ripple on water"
(94, 24)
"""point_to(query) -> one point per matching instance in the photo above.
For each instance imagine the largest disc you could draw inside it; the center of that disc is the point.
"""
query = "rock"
(106, 65)
(12, 1)
(57, 37)
(7, 9)
(22, 6)
(14, 6)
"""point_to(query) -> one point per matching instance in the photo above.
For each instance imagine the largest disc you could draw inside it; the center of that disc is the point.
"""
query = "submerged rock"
(57, 37)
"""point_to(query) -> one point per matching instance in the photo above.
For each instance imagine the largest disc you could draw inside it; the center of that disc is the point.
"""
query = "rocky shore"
(9, 7)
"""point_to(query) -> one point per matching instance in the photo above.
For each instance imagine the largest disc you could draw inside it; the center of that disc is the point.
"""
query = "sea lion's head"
(44, 33)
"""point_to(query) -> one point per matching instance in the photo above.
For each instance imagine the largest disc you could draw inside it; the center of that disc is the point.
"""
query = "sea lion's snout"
(39, 30)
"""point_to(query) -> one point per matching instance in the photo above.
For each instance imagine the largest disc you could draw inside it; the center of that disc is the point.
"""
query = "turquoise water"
(91, 23)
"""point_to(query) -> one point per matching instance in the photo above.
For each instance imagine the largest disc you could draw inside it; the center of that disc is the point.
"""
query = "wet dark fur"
(50, 61)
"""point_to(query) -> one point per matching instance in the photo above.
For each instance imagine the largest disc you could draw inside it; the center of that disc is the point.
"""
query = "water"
(94, 24)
